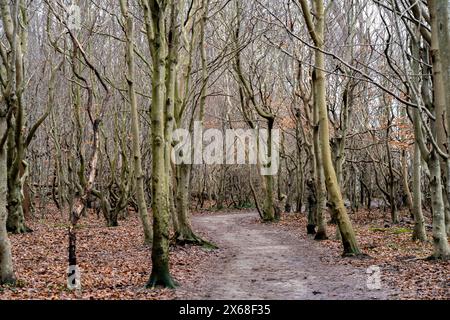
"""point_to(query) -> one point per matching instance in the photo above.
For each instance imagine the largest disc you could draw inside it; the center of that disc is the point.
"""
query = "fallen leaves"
(114, 262)
(403, 262)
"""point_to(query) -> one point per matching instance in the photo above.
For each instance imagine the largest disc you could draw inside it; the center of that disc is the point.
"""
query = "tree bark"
(135, 130)
(440, 242)
(443, 21)
(419, 232)
(6, 265)
(349, 241)
(419, 226)
(155, 20)
(321, 192)
(441, 246)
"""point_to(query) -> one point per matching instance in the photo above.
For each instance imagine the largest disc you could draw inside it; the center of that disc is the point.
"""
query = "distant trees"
(425, 88)
(256, 99)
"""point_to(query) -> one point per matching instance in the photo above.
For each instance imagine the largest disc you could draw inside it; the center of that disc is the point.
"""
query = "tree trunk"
(171, 79)
(184, 233)
(419, 232)
(155, 19)
(6, 265)
(16, 141)
(409, 200)
(441, 247)
(419, 226)
(317, 33)
(269, 201)
(321, 192)
(443, 20)
(16, 220)
(135, 130)
(391, 182)
(268, 206)
(440, 242)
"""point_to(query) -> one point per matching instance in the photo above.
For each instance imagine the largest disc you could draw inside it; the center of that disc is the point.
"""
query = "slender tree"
(135, 128)
(317, 32)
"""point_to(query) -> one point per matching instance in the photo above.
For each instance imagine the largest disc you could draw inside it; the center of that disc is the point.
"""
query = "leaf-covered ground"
(401, 261)
(114, 262)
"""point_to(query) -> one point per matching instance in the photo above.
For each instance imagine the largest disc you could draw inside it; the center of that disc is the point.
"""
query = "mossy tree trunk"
(171, 80)
(443, 21)
(15, 22)
(10, 110)
(155, 14)
(441, 246)
(135, 130)
(317, 32)
(6, 265)
(440, 242)
(184, 233)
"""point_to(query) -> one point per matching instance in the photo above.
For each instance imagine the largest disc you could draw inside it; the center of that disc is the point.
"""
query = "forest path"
(263, 262)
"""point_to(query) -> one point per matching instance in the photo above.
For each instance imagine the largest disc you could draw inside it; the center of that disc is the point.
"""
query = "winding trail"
(262, 262)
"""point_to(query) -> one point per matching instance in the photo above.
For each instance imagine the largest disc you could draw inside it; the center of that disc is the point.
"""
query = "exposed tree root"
(10, 281)
(21, 230)
(162, 280)
(270, 220)
(359, 256)
(193, 239)
(438, 258)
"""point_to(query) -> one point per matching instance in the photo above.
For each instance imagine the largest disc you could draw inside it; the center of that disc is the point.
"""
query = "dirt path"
(261, 262)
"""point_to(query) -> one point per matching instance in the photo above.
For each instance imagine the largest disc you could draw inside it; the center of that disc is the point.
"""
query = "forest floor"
(114, 262)
(280, 261)
(262, 262)
(255, 261)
